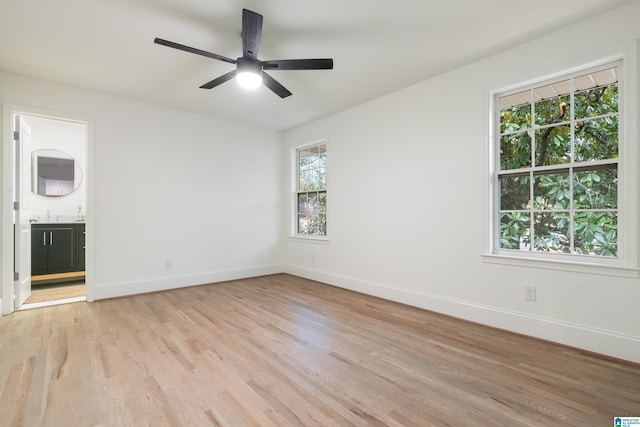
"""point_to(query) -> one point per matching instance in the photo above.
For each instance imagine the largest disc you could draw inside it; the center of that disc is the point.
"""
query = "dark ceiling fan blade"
(248, 62)
(251, 33)
(298, 64)
(276, 87)
(217, 82)
(194, 50)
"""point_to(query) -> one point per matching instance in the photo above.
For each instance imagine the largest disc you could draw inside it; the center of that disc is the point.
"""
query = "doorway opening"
(50, 210)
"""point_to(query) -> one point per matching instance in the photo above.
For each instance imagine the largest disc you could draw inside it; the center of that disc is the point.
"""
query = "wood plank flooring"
(280, 351)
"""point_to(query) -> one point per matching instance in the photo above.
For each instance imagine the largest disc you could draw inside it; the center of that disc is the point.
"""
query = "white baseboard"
(610, 343)
(154, 284)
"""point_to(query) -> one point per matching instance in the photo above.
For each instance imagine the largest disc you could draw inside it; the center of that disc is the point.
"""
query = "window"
(311, 193)
(557, 166)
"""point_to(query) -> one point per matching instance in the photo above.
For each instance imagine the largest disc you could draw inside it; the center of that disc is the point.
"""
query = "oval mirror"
(54, 173)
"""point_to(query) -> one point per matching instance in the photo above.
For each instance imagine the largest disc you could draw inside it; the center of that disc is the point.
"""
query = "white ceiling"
(378, 47)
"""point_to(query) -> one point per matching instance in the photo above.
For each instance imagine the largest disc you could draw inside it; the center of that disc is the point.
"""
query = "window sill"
(309, 238)
(569, 266)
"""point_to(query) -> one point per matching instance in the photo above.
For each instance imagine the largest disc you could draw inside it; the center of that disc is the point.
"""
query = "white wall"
(70, 138)
(167, 188)
(407, 202)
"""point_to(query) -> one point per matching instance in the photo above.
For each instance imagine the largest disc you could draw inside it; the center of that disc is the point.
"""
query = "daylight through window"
(311, 194)
(557, 172)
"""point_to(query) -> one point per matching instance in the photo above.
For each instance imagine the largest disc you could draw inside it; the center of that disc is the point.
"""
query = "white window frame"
(296, 190)
(626, 264)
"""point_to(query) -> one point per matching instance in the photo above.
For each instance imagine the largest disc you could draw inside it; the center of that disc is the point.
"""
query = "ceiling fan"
(249, 69)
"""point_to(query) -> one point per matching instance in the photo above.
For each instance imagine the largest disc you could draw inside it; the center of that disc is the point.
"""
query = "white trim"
(293, 223)
(6, 229)
(627, 263)
(155, 284)
(318, 141)
(561, 265)
(51, 303)
(621, 52)
(606, 342)
(310, 238)
(628, 207)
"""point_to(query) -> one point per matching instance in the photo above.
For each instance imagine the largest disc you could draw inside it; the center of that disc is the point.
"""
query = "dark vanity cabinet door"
(61, 254)
(81, 233)
(54, 248)
(39, 251)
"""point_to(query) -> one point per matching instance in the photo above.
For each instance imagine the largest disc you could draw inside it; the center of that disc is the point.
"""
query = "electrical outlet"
(530, 293)
(167, 263)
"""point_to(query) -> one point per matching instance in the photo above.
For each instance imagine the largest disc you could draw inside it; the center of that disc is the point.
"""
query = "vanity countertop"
(57, 222)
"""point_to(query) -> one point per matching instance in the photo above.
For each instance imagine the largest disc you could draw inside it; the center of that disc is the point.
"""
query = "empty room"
(341, 213)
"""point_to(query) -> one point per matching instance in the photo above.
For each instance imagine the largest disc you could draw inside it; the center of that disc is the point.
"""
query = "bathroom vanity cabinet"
(57, 248)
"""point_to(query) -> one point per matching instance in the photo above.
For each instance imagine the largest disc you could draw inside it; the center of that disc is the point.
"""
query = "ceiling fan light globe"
(249, 79)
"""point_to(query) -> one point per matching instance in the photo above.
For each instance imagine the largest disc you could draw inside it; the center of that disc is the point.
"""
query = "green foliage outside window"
(311, 207)
(558, 176)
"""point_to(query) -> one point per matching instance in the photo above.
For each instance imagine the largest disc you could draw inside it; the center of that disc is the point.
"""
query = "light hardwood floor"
(280, 350)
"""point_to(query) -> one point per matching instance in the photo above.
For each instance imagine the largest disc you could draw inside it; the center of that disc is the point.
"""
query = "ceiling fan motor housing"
(248, 65)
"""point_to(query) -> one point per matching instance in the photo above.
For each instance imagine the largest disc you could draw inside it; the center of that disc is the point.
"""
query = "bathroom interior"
(57, 214)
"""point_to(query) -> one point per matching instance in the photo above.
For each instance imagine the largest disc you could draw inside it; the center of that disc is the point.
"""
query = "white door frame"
(8, 174)
(22, 214)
